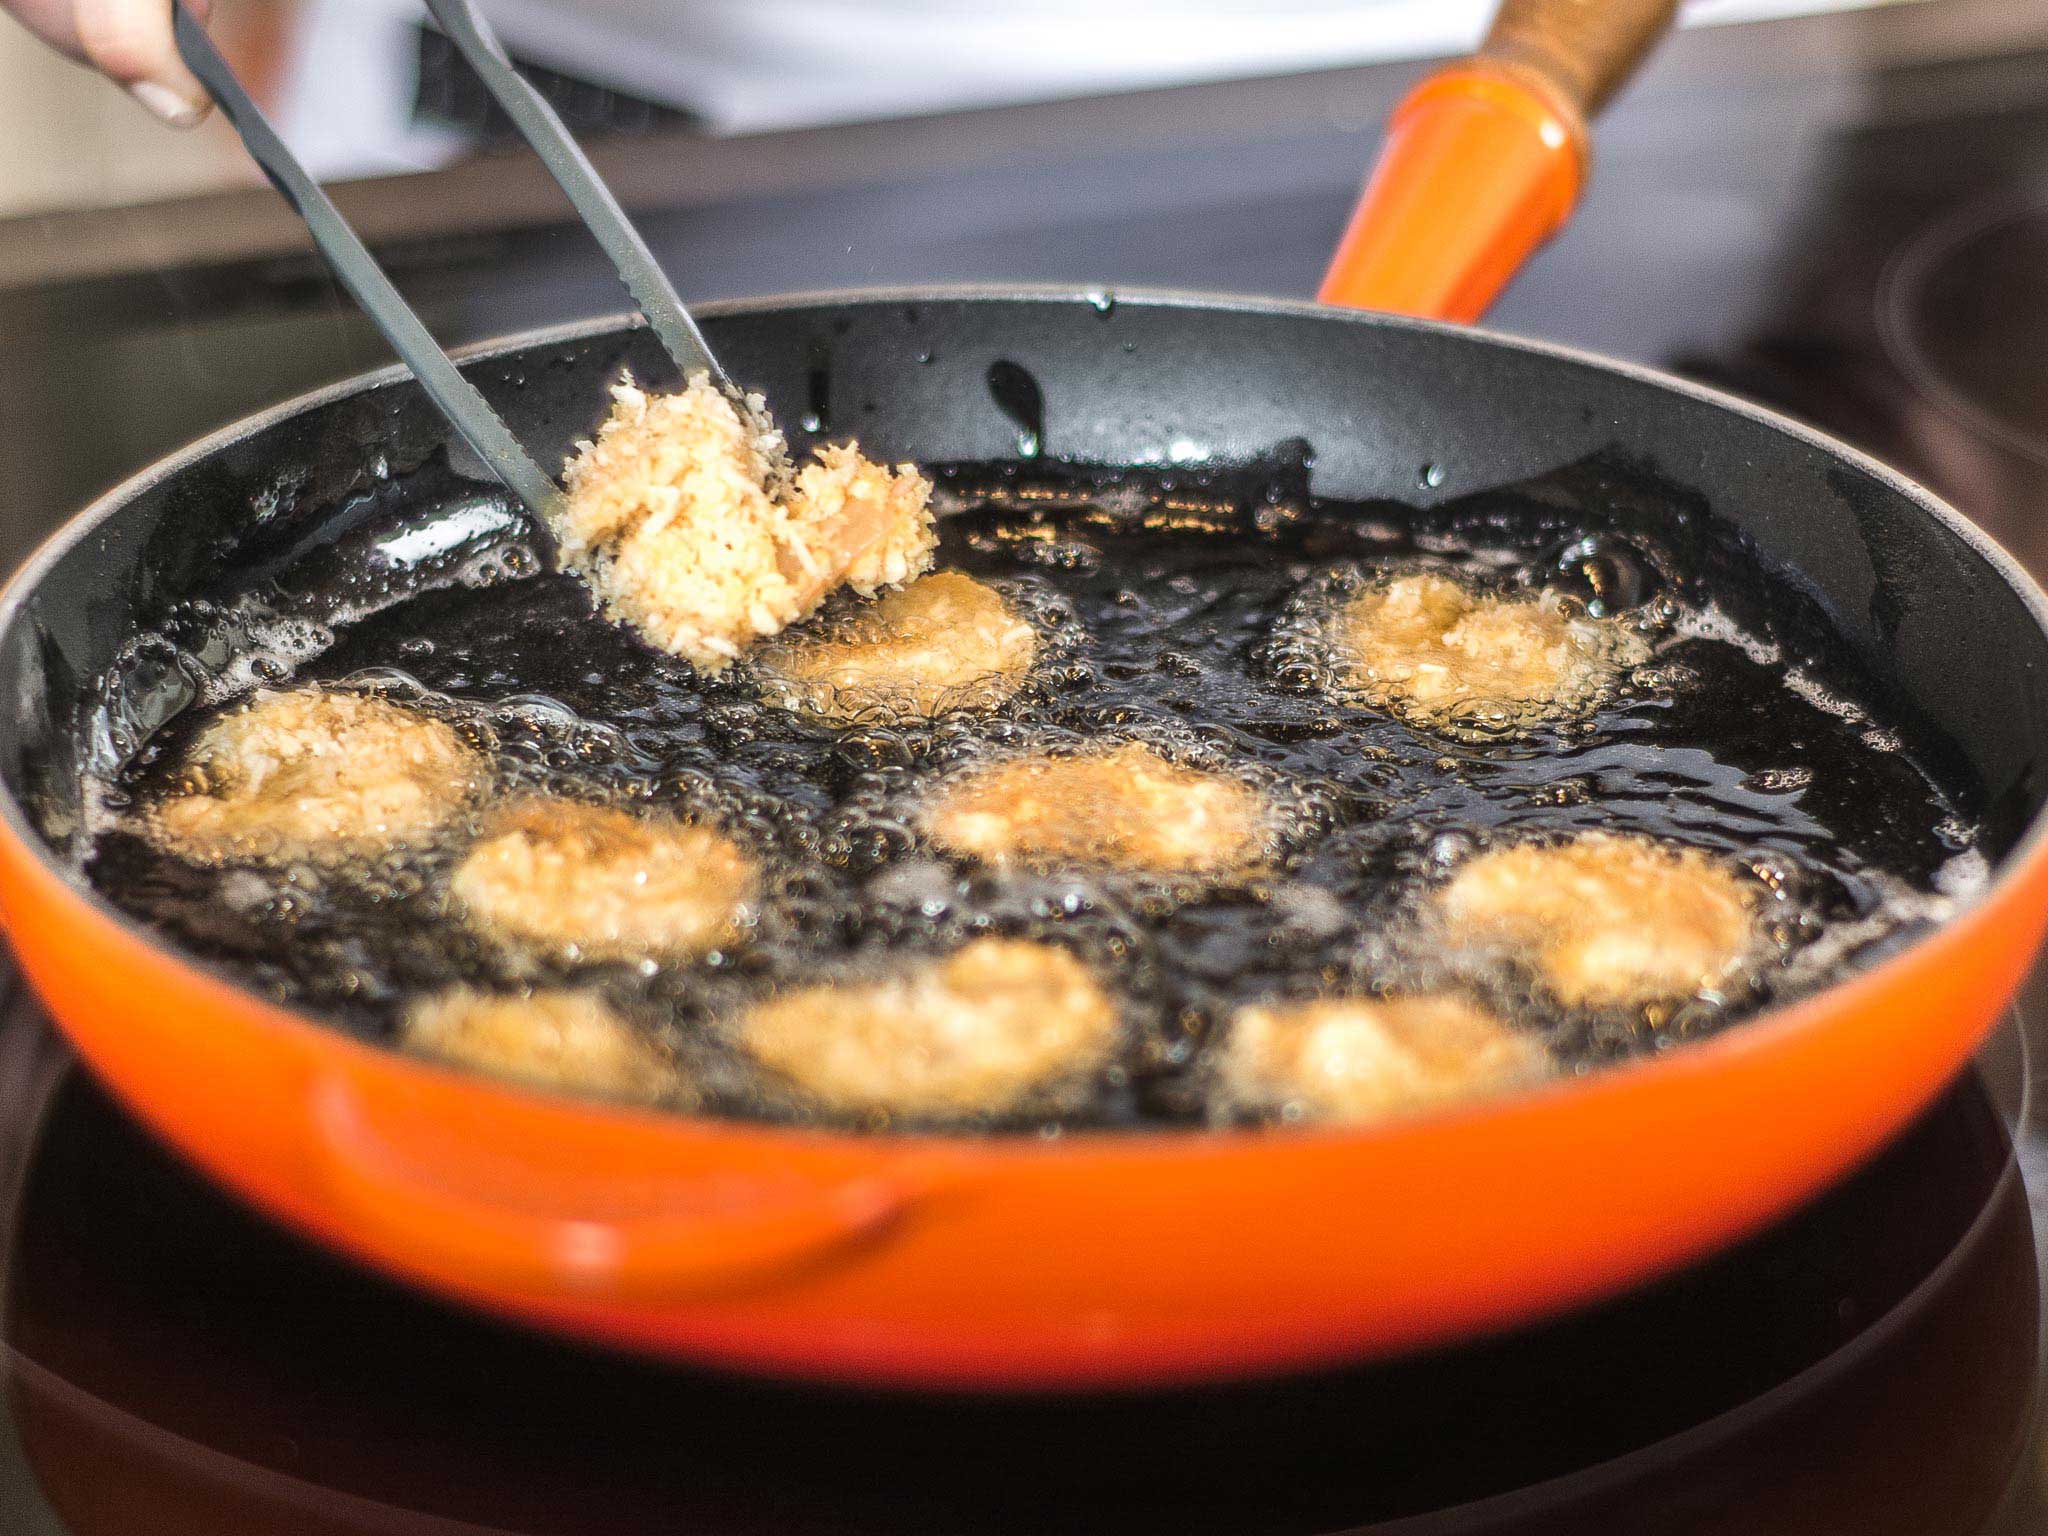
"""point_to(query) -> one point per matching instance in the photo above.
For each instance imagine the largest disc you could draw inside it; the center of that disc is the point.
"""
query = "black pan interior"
(1368, 407)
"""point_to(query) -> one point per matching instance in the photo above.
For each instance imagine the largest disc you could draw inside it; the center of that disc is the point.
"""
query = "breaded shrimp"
(593, 883)
(985, 1030)
(1126, 807)
(1607, 919)
(944, 642)
(670, 519)
(557, 1039)
(309, 774)
(1439, 654)
(1367, 1058)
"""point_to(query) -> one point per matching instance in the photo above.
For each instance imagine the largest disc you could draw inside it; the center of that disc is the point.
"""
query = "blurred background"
(1774, 153)
(361, 87)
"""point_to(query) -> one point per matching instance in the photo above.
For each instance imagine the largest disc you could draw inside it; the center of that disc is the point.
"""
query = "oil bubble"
(1185, 612)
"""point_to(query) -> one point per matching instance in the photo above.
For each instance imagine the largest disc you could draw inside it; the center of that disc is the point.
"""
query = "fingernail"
(167, 104)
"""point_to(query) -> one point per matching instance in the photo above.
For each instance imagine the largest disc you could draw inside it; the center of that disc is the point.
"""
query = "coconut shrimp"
(1358, 1058)
(1607, 920)
(944, 642)
(568, 1040)
(591, 882)
(316, 775)
(985, 1030)
(1441, 654)
(671, 518)
(1127, 807)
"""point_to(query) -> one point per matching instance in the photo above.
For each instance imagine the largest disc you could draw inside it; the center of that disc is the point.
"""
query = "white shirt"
(747, 66)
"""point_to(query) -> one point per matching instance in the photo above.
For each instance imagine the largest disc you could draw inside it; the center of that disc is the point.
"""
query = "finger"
(130, 41)
(51, 21)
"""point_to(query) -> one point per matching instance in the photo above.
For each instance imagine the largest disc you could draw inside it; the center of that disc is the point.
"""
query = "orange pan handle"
(479, 1199)
(1484, 160)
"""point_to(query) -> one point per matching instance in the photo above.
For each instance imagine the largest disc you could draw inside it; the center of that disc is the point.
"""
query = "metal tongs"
(459, 400)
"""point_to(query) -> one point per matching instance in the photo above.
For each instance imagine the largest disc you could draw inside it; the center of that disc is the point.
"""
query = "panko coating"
(309, 774)
(1438, 653)
(944, 642)
(985, 1030)
(669, 517)
(1359, 1059)
(1127, 807)
(1607, 920)
(596, 883)
(555, 1039)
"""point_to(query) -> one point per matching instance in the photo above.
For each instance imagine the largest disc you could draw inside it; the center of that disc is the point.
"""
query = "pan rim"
(1750, 1032)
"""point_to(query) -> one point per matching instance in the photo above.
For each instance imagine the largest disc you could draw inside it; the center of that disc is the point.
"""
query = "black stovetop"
(1847, 217)
(178, 1365)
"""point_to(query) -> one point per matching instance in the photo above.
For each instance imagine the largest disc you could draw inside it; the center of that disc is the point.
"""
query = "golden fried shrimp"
(309, 774)
(554, 1039)
(985, 1030)
(1607, 919)
(670, 519)
(944, 642)
(1126, 807)
(1362, 1059)
(595, 883)
(1439, 654)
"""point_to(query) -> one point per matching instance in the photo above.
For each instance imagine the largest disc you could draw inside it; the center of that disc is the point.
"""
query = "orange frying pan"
(1101, 1258)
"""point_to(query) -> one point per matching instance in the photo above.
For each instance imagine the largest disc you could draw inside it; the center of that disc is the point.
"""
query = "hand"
(127, 40)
